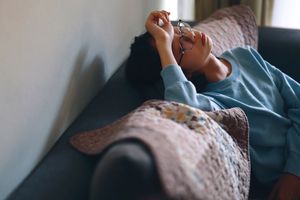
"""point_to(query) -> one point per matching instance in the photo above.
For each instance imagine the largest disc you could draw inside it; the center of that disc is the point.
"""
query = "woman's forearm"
(166, 55)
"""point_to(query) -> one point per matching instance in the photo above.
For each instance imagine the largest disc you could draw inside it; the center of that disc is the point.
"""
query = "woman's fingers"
(166, 13)
(159, 26)
(163, 15)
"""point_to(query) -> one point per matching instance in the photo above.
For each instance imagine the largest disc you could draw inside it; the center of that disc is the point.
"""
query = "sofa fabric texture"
(230, 27)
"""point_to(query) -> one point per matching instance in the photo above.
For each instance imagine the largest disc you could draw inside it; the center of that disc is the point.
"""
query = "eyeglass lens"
(185, 42)
(184, 27)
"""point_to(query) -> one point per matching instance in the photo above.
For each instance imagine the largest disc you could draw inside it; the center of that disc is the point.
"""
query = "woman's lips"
(203, 38)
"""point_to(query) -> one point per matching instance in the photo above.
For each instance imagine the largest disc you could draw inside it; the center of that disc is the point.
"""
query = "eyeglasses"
(185, 42)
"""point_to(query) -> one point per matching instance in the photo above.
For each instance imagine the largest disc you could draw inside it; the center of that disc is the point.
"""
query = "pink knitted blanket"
(199, 155)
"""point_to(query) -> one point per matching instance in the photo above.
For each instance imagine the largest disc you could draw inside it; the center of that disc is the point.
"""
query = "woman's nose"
(197, 34)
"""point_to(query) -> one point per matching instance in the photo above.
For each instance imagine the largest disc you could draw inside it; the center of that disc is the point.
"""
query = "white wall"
(186, 9)
(54, 57)
(286, 14)
(180, 9)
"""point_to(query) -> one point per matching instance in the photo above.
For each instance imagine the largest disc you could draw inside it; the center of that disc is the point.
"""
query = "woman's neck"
(216, 69)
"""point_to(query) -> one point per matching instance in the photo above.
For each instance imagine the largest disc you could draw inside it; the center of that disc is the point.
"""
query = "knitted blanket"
(199, 155)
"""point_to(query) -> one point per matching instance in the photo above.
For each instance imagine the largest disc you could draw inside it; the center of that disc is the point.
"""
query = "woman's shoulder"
(247, 58)
(243, 49)
(246, 52)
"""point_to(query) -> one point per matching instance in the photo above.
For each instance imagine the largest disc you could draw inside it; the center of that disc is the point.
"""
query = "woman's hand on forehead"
(161, 32)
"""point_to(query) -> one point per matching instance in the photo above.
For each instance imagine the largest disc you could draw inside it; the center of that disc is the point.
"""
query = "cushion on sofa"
(230, 27)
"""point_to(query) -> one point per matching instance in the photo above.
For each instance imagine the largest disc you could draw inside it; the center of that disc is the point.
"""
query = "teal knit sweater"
(270, 99)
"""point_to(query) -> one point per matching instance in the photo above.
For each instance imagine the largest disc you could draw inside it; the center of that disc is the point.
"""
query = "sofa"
(65, 173)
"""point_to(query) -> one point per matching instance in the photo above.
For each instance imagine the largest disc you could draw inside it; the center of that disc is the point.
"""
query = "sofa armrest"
(281, 48)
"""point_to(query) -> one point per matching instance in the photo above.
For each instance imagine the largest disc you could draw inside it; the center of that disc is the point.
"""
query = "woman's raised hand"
(163, 32)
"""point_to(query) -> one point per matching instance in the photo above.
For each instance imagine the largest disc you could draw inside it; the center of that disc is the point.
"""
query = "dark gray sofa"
(65, 174)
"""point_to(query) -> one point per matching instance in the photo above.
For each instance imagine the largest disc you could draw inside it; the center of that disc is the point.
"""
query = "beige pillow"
(230, 27)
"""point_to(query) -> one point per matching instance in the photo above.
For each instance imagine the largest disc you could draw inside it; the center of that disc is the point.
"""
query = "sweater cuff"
(172, 74)
(293, 164)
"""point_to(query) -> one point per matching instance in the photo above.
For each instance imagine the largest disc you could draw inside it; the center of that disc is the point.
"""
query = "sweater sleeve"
(290, 92)
(179, 89)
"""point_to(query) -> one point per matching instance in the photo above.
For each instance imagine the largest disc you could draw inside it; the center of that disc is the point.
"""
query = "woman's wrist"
(166, 55)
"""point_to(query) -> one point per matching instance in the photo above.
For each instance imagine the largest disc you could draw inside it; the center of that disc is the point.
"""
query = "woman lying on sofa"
(240, 77)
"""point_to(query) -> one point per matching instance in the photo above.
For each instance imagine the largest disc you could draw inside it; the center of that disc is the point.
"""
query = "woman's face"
(193, 58)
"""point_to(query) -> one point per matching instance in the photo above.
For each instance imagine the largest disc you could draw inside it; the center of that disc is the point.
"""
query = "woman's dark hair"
(143, 65)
